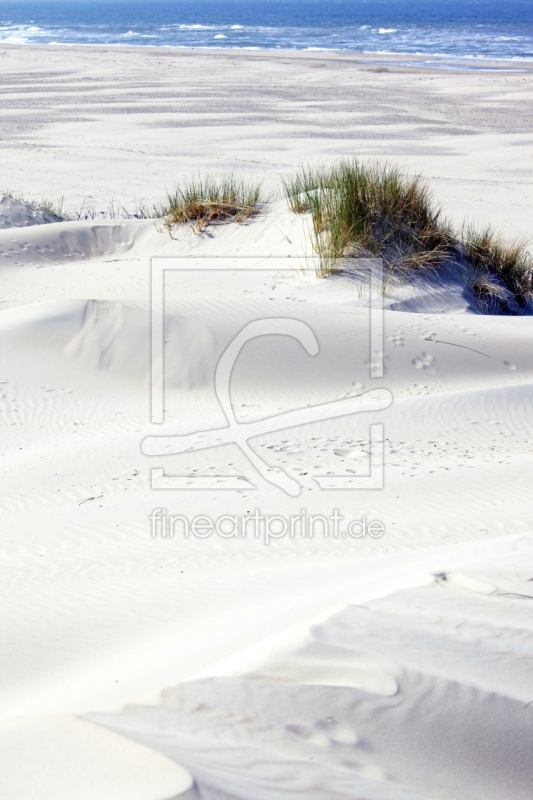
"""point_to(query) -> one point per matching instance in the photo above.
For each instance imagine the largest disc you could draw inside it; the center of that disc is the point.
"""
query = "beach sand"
(382, 667)
(126, 123)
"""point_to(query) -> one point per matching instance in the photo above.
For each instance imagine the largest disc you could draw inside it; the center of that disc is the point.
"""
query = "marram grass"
(356, 209)
(499, 263)
(205, 200)
(376, 210)
(373, 210)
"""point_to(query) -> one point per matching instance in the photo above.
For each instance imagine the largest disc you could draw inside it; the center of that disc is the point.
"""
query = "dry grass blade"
(203, 201)
(55, 208)
(498, 263)
(491, 296)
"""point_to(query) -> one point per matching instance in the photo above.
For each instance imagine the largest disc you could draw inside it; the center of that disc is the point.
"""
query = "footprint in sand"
(423, 361)
(337, 733)
(325, 733)
(317, 738)
(397, 340)
(351, 452)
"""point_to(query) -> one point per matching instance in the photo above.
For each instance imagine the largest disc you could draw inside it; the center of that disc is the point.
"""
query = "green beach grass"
(374, 209)
(204, 200)
(357, 209)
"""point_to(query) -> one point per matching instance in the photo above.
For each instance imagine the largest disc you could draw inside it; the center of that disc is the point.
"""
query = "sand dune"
(412, 695)
(150, 667)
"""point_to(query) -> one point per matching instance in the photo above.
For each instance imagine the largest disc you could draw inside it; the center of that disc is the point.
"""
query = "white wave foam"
(17, 34)
(196, 27)
(220, 36)
(388, 30)
(14, 40)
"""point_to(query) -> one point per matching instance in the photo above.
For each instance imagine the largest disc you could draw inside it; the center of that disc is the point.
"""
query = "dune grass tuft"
(491, 296)
(141, 210)
(88, 210)
(371, 209)
(376, 210)
(55, 208)
(205, 200)
(498, 264)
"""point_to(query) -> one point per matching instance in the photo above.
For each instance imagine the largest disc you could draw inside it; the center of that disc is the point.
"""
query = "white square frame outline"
(158, 267)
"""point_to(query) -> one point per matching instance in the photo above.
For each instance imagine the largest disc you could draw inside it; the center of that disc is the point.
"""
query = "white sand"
(99, 124)
(395, 667)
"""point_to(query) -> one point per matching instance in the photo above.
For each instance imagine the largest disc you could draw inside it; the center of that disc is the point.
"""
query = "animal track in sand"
(337, 733)
(376, 361)
(397, 340)
(418, 389)
(325, 733)
(311, 736)
(352, 452)
(424, 361)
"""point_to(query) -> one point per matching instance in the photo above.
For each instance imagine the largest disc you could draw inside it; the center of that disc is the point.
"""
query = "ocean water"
(474, 30)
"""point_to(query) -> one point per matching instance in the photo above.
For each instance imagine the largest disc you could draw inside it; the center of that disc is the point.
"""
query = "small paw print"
(423, 361)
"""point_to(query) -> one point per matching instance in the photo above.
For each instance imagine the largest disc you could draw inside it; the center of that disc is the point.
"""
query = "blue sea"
(474, 30)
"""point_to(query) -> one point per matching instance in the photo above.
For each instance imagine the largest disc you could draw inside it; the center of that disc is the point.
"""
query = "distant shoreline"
(418, 61)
